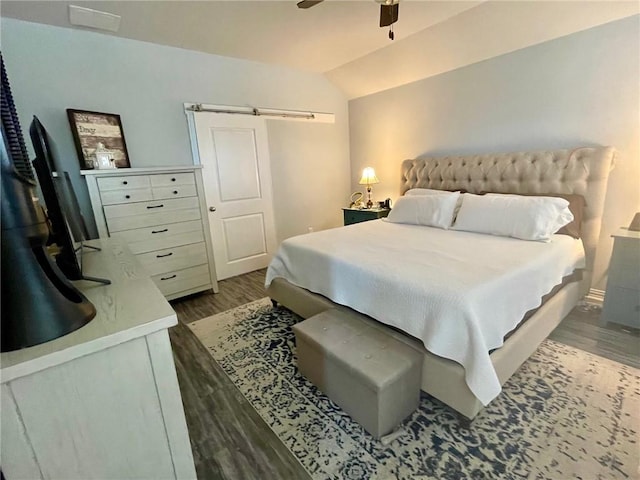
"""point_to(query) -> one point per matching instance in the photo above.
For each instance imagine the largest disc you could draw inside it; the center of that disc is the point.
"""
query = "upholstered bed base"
(583, 171)
(442, 378)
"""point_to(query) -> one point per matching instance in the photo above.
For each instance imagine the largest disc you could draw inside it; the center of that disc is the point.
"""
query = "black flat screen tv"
(39, 303)
(57, 200)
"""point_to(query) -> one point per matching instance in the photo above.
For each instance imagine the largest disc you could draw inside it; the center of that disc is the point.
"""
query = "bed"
(582, 171)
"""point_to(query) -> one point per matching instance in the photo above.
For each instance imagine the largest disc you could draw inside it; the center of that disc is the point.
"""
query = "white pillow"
(429, 210)
(431, 191)
(527, 218)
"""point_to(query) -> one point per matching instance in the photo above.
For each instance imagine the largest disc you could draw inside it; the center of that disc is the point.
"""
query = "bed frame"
(582, 171)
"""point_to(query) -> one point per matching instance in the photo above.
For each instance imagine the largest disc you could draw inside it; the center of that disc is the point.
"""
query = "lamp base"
(369, 202)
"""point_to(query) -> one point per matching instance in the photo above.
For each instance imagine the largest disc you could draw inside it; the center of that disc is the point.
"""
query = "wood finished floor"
(229, 439)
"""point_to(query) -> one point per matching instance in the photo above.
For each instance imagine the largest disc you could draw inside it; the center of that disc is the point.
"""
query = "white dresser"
(161, 214)
(622, 298)
(103, 401)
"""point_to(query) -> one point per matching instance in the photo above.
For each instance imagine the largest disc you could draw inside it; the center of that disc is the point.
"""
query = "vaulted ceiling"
(341, 39)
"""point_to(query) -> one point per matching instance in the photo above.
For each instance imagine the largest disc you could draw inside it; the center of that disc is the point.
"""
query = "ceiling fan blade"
(388, 14)
(308, 3)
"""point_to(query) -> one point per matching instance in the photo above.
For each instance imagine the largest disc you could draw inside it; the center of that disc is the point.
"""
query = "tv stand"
(102, 401)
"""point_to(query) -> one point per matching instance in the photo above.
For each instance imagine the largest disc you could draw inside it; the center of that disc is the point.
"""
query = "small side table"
(622, 297)
(354, 215)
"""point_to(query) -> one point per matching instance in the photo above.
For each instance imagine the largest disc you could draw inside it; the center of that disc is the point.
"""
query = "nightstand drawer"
(352, 216)
(622, 305)
(624, 270)
(176, 258)
(627, 276)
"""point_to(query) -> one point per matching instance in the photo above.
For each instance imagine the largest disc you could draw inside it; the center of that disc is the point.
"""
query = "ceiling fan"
(388, 12)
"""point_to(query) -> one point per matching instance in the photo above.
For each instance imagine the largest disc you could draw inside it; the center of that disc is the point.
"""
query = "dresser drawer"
(162, 261)
(110, 197)
(125, 182)
(180, 280)
(176, 191)
(148, 214)
(622, 305)
(126, 224)
(169, 179)
(150, 208)
(158, 237)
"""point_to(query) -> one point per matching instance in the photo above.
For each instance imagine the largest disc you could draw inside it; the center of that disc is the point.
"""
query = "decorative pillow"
(527, 218)
(428, 210)
(577, 204)
(430, 191)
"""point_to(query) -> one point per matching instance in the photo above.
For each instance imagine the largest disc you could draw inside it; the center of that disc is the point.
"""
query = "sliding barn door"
(234, 153)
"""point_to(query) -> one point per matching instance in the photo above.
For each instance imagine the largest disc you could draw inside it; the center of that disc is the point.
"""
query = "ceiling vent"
(87, 17)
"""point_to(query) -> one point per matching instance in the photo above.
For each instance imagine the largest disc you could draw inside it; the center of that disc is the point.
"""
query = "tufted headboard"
(583, 171)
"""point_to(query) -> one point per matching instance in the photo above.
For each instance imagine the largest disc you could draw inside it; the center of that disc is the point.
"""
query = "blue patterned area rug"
(564, 414)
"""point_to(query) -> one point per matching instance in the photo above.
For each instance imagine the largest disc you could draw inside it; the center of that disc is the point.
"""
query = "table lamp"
(369, 178)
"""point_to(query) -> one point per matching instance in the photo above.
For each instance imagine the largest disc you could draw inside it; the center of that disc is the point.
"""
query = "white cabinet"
(160, 213)
(622, 298)
(102, 401)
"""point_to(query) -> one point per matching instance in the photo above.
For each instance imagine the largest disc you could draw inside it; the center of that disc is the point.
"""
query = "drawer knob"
(173, 179)
(125, 182)
(160, 231)
(169, 278)
(212, 209)
(165, 255)
(127, 196)
(155, 206)
(175, 192)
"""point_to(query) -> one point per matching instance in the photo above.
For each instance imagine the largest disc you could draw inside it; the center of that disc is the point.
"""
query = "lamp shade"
(368, 177)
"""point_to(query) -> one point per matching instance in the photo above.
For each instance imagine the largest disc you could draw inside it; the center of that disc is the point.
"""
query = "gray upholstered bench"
(371, 375)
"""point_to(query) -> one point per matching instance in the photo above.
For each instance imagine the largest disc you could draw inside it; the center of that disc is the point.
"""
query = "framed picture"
(91, 128)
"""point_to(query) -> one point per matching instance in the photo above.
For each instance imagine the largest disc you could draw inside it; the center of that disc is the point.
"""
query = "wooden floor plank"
(228, 438)
(583, 329)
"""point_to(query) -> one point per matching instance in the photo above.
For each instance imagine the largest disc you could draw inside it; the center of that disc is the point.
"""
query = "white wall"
(578, 90)
(52, 69)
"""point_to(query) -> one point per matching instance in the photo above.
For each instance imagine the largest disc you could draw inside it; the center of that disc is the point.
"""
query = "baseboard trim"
(595, 297)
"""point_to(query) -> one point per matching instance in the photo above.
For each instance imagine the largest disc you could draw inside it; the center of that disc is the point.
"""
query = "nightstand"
(622, 298)
(354, 215)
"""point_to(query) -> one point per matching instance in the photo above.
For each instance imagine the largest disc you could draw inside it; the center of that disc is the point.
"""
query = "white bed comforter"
(459, 292)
